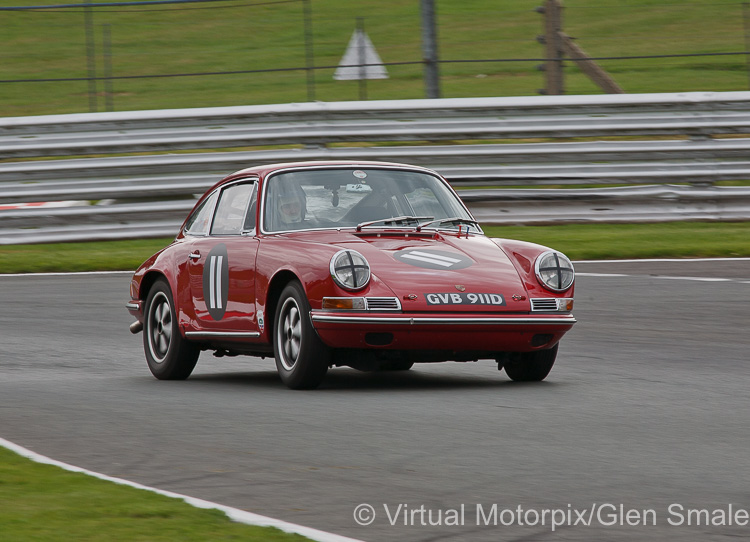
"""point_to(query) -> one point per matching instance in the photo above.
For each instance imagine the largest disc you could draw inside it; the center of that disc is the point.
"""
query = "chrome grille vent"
(544, 304)
(383, 304)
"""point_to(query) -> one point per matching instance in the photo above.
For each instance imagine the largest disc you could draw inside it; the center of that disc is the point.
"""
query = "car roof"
(267, 169)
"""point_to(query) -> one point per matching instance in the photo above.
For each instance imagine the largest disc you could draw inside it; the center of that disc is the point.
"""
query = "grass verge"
(68, 257)
(615, 241)
(578, 241)
(46, 503)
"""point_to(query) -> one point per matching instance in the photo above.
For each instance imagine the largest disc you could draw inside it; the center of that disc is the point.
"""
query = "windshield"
(366, 197)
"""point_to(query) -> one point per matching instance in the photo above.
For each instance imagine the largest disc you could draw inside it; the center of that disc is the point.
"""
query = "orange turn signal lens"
(344, 303)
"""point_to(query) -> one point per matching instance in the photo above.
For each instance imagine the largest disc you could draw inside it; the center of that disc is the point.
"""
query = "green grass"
(578, 241)
(98, 256)
(46, 503)
(237, 36)
(614, 241)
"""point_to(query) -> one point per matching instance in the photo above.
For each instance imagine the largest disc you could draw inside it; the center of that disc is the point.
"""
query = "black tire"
(168, 354)
(302, 359)
(531, 366)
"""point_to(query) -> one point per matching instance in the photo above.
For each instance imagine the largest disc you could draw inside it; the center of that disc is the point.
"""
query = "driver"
(290, 208)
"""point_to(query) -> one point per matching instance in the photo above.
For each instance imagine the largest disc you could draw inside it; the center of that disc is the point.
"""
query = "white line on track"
(235, 514)
(578, 274)
(675, 260)
(664, 277)
(71, 274)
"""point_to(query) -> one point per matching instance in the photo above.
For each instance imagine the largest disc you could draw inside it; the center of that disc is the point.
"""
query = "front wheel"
(169, 356)
(301, 357)
(531, 366)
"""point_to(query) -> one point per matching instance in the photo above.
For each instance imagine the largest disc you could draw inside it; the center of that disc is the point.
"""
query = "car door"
(221, 264)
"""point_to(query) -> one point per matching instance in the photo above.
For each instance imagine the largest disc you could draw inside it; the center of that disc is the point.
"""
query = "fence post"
(90, 55)
(430, 49)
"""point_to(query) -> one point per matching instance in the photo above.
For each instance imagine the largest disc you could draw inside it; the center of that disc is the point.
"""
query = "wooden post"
(589, 67)
(557, 45)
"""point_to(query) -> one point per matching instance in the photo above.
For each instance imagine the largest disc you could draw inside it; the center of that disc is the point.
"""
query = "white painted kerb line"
(235, 514)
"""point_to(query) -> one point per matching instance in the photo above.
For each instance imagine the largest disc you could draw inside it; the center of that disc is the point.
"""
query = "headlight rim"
(537, 271)
(338, 281)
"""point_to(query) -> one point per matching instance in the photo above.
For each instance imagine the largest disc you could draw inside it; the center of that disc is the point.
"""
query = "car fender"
(169, 263)
(281, 259)
(523, 255)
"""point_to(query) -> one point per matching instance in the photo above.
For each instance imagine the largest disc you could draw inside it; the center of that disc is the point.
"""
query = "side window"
(230, 211)
(199, 221)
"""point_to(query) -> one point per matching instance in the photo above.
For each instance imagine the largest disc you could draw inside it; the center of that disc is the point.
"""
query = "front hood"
(444, 272)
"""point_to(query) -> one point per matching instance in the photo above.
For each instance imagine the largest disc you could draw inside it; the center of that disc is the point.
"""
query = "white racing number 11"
(214, 296)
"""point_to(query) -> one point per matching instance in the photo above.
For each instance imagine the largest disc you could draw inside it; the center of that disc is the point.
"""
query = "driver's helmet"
(291, 202)
(290, 208)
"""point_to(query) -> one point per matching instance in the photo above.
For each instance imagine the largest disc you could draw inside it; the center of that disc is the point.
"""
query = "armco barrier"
(653, 203)
(693, 138)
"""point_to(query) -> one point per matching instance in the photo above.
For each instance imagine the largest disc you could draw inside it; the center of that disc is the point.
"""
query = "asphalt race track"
(644, 417)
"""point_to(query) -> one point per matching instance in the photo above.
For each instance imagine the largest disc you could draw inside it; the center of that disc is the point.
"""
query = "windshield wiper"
(452, 220)
(395, 220)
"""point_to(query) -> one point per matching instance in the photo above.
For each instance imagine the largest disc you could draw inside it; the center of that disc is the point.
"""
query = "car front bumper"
(453, 332)
(135, 307)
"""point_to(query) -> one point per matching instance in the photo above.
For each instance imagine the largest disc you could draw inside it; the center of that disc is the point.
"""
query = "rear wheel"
(531, 366)
(301, 357)
(169, 356)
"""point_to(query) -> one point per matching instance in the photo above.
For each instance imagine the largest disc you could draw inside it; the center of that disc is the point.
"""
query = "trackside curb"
(235, 514)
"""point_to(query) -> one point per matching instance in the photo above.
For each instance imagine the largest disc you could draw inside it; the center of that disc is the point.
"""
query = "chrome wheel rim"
(289, 334)
(159, 327)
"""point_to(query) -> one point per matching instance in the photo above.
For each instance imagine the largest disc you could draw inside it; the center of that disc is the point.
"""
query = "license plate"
(463, 298)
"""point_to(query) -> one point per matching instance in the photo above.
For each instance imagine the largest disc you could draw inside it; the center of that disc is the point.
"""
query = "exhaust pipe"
(136, 327)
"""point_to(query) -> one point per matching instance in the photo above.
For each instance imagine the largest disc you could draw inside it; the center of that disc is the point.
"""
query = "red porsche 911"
(370, 265)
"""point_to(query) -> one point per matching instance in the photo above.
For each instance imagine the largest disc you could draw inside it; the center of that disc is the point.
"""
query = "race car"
(369, 265)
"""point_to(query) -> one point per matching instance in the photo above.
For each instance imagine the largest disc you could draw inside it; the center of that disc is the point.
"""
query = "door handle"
(195, 256)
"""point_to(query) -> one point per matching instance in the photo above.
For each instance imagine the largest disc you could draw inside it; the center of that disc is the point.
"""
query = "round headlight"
(350, 270)
(554, 271)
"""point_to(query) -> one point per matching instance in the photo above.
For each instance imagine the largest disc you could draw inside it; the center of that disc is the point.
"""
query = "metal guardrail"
(651, 203)
(680, 147)
(531, 116)
(648, 203)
